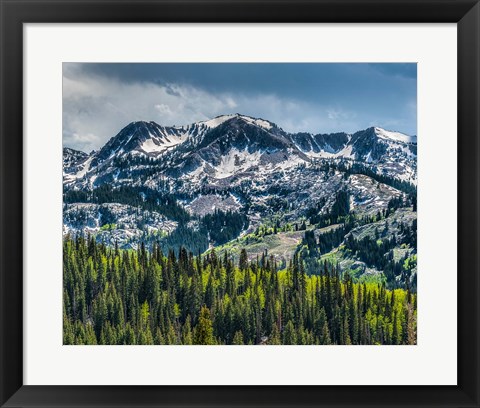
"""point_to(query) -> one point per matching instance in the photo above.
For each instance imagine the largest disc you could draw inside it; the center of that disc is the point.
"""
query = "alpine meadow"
(291, 223)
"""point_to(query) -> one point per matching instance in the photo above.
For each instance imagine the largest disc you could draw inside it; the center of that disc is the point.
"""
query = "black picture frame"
(14, 13)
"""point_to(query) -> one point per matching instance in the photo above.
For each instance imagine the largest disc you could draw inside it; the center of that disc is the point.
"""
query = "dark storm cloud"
(309, 97)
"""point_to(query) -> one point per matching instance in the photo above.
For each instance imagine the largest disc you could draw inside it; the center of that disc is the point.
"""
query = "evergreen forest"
(147, 297)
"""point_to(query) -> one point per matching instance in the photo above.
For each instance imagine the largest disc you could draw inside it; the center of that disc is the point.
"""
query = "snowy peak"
(320, 145)
(395, 136)
(72, 157)
(265, 124)
(232, 145)
(219, 120)
(152, 139)
(142, 137)
(243, 132)
(75, 165)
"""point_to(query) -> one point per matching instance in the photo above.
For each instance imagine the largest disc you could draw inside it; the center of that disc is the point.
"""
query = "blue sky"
(100, 99)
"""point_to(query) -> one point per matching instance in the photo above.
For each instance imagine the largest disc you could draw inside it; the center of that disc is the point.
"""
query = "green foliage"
(238, 338)
(108, 227)
(379, 254)
(204, 329)
(114, 296)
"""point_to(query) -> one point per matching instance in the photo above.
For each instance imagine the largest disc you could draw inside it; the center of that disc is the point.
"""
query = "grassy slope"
(284, 244)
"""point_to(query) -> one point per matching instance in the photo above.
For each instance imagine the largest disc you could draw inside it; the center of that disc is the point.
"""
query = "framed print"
(237, 203)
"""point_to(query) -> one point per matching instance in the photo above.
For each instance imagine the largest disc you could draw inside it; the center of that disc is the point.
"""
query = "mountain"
(146, 138)
(71, 157)
(73, 164)
(232, 144)
(221, 182)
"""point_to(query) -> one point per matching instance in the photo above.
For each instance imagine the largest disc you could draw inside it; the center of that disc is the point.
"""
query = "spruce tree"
(204, 329)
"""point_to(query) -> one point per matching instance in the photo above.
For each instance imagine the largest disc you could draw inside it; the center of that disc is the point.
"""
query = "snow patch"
(153, 145)
(293, 161)
(213, 123)
(236, 161)
(395, 136)
(346, 152)
(258, 122)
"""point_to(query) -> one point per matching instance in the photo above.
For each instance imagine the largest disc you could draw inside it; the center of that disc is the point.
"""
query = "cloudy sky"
(100, 99)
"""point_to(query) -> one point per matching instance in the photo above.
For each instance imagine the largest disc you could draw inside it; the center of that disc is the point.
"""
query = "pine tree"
(204, 329)
(243, 261)
(187, 337)
(289, 334)
(238, 338)
(147, 298)
(274, 338)
(411, 325)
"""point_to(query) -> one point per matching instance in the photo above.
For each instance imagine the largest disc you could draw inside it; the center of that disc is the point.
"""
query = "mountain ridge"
(202, 144)
(220, 119)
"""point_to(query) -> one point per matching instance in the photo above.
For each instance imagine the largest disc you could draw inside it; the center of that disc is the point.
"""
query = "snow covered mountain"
(214, 181)
(147, 138)
(72, 157)
(229, 145)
